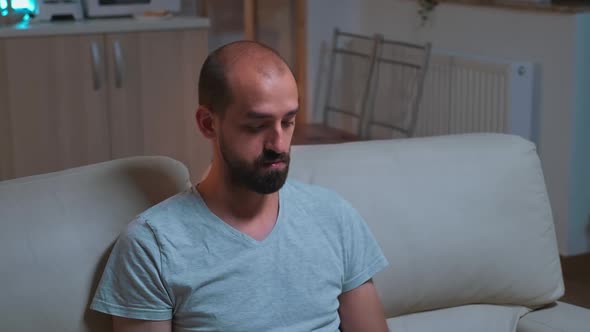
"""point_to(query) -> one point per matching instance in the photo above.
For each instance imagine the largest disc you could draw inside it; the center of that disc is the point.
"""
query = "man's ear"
(204, 118)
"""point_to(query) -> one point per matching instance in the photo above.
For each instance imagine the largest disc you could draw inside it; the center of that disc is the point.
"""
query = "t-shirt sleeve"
(132, 285)
(363, 257)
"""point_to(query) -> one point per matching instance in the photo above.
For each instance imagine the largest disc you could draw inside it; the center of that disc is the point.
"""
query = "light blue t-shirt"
(178, 261)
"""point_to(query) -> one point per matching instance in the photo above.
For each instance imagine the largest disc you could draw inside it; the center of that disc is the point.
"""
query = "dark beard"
(255, 178)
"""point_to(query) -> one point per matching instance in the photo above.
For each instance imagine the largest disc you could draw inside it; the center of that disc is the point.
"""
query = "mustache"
(270, 156)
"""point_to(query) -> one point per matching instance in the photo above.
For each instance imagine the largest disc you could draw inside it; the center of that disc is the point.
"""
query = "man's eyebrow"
(259, 115)
(292, 113)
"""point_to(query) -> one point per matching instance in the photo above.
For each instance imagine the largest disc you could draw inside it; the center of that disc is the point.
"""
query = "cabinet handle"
(119, 64)
(95, 54)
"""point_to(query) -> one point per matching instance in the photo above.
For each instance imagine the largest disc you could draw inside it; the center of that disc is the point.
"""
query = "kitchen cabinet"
(52, 116)
(78, 98)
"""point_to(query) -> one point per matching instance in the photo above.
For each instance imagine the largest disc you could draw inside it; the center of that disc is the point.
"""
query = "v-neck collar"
(232, 231)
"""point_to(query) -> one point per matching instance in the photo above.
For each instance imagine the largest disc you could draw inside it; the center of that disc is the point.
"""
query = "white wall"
(546, 39)
(323, 17)
(579, 228)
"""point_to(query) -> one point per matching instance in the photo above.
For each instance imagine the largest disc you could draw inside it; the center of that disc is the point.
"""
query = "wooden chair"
(396, 94)
(350, 73)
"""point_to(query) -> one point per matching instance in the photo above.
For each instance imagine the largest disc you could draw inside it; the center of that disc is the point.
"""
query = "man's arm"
(121, 324)
(361, 310)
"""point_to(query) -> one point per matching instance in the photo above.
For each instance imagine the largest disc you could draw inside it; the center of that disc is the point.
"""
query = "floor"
(576, 273)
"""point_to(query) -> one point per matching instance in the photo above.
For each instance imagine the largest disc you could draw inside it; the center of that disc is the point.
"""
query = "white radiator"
(476, 94)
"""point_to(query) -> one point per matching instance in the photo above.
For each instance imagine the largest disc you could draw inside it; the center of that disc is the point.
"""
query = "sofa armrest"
(560, 317)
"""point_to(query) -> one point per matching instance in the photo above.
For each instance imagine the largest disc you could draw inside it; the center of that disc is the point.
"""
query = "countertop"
(35, 29)
(555, 6)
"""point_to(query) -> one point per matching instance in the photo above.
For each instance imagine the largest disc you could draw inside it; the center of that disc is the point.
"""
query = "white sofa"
(464, 221)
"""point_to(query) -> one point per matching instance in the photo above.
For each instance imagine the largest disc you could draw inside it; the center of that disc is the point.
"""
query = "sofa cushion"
(558, 317)
(56, 231)
(468, 318)
(462, 219)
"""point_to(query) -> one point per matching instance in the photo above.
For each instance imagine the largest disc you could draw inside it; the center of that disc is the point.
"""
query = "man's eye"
(255, 128)
(287, 124)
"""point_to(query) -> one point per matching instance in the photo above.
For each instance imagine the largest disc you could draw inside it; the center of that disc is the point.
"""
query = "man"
(245, 250)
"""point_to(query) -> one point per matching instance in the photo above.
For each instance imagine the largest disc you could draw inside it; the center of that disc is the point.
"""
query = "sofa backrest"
(462, 219)
(56, 231)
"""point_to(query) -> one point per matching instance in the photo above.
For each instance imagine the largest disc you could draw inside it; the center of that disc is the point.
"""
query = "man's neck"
(252, 213)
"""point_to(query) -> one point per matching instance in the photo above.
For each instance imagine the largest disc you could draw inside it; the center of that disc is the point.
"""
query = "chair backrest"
(56, 233)
(350, 71)
(396, 89)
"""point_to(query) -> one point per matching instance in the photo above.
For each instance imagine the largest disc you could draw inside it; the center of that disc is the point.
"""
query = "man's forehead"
(241, 112)
(256, 115)
(256, 97)
(245, 73)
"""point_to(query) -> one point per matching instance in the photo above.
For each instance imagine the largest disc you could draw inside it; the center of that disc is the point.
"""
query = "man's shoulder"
(317, 207)
(165, 214)
(302, 189)
(313, 195)
(177, 204)
(165, 219)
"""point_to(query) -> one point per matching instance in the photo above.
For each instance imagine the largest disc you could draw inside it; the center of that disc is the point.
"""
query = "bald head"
(234, 59)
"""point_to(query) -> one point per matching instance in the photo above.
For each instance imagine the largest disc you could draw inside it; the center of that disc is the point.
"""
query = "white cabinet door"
(153, 95)
(54, 104)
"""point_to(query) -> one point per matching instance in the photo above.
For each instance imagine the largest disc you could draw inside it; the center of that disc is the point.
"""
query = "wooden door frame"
(250, 19)
(300, 20)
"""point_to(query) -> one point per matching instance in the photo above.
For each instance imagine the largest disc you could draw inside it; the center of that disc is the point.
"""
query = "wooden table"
(307, 134)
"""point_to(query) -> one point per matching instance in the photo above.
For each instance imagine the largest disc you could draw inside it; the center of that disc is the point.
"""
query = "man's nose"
(277, 140)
